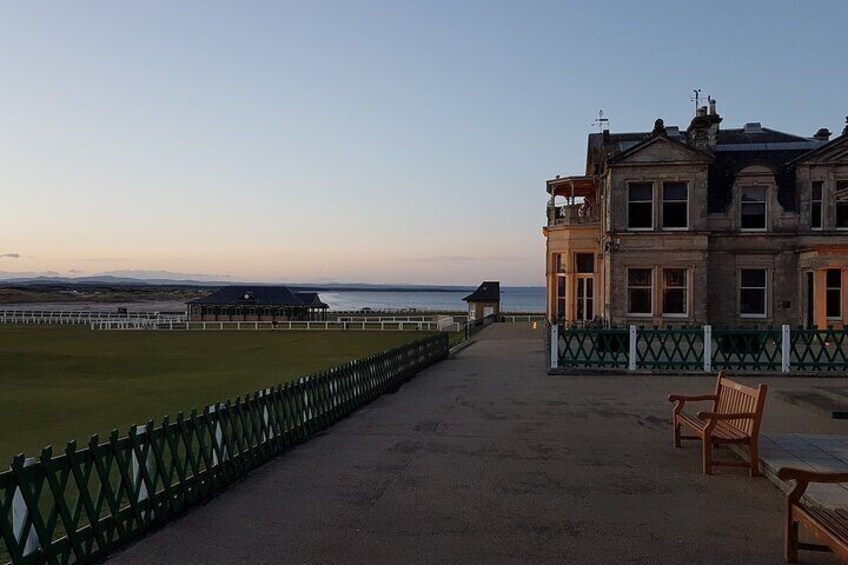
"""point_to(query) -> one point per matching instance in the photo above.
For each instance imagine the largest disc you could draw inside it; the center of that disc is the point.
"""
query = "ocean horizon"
(513, 299)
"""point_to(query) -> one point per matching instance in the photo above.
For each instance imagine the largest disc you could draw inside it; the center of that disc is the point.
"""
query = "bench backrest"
(734, 397)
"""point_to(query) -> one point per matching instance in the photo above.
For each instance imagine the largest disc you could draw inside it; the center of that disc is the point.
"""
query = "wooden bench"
(735, 417)
(829, 526)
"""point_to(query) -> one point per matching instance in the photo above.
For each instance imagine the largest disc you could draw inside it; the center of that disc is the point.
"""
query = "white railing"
(526, 318)
(404, 326)
(58, 317)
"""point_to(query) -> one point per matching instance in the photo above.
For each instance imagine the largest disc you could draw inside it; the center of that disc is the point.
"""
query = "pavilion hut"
(257, 303)
(485, 301)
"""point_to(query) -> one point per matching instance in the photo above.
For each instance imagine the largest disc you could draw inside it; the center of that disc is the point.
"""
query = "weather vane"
(601, 121)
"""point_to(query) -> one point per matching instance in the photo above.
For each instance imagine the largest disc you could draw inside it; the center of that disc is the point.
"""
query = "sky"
(359, 141)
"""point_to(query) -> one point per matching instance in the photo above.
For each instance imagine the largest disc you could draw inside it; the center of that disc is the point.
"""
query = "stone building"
(257, 303)
(733, 227)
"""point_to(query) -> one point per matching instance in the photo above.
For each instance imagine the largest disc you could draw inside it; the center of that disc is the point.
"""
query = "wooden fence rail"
(79, 505)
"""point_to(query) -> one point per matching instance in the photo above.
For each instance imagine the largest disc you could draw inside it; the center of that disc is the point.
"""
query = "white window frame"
(653, 205)
(687, 287)
(766, 293)
(822, 214)
(662, 203)
(827, 289)
(836, 205)
(652, 292)
(765, 206)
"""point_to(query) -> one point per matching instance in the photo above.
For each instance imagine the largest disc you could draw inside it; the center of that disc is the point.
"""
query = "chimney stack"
(822, 135)
(659, 127)
(712, 107)
(605, 135)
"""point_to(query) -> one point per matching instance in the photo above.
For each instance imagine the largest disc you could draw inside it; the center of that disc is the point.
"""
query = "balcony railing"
(573, 214)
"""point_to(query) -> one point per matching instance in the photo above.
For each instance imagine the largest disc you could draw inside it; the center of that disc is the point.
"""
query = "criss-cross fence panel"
(747, 350)
(819, 350)
(79, 505)
(594, 348)
(663, 349)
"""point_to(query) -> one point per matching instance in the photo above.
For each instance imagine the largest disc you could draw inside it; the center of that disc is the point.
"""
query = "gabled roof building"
(733, 227)
(257, 303)
(485, 301)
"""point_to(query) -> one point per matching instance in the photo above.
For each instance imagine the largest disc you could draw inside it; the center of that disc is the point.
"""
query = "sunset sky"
(394, 142)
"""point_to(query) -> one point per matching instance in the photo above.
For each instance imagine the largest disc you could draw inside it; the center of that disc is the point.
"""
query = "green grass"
(58, 384)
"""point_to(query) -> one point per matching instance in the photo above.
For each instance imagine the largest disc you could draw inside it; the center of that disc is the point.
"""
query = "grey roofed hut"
(484, 301)
(257, 303)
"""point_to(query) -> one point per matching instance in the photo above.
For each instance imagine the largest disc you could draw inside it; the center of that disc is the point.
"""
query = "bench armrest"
(792, 474)
(690, 398)
(727, 416)
(803, 478)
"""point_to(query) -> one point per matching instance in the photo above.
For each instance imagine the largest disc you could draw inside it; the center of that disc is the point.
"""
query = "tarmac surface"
(484, 458)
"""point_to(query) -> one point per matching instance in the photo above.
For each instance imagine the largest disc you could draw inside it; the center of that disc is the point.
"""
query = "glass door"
(585, 299)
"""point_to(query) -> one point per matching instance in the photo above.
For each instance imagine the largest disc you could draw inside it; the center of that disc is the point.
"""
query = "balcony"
(583, 214)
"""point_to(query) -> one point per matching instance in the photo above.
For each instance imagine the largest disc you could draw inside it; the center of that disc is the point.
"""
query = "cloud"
(11, 255)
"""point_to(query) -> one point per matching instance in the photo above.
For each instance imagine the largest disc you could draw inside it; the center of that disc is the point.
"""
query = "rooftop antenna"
(697, 98)
(601, 121)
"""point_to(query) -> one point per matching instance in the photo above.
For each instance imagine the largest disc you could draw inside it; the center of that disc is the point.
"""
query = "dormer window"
(753, 208)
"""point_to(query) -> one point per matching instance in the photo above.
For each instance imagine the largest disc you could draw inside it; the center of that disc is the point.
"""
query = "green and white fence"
(79, 505)
(633, 348)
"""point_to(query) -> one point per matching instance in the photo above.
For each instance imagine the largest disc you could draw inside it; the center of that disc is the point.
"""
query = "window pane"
(675, 191)
(640, 192)
(752, 301)
(834, 303)
(834, 278)
(561, 286)
(753, 216)
(842, 214)
(674, 301)
(753, 194)
(816, 212)
(817, 190)
(674, 277)
(639, 216)
(639, 277)
(753, 278)
(639, 301)
(585, 262)
(674, 215)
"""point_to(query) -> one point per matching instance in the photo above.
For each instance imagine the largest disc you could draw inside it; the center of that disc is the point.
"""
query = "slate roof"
(311, 300)
(489, 291)
(239, 295)
(734, 149)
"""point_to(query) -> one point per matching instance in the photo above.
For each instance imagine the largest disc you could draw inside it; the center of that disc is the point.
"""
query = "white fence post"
(19, 516)
(708, 349)
(631, 357)
(554, 346)
(785, 343)
(137, 478)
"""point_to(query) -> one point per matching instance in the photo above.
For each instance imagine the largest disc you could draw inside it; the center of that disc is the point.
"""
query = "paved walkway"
(485, 458)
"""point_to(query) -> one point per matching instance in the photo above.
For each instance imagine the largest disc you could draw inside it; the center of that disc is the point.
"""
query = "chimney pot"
(712, 107)
(605, 136)
(822, 135)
